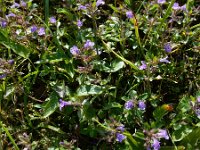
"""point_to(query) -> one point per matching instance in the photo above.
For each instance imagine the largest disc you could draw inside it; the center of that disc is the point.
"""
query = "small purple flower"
(120, 137)
(23, 3)
(121, 128)
(198, 99)
(164, 60)
(15, 5)
(162, 134)
(11, 61)
(176, 6)
(142, 105)
(61, 143)
(196, 108)
(183, 8)
(52, 20)
(63, 104)
(161, 1)
(79, 23)
(100, 2)
(88, 44)
(2, 76)
(167, 47)
(41, 31)
(129, 105)
(10, 15)
(82, 7)
(33, 28)
(129, 14)
(74, 50)
(197, 112)
(155, 144)
(143, 66)
(3, 23)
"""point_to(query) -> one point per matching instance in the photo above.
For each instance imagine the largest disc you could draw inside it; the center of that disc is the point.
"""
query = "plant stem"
(46, 9)
(9, 136)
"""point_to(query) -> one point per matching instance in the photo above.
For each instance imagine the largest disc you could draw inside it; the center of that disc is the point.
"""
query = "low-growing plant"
(99, 74)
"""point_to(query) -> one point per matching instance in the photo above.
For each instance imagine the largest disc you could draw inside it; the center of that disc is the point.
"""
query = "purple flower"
(196, 107)
(162, 134)
(183, 8)
(100, 2)
(197, 112)
(63, 104)
(79, 23)
(23, 3)
(2, 76)
(82, 7)
(61, 143)
(74, 50)
(142, 105)
(41, 31)
(155, 144)
(167, 47)
(120, 128)
(11, 61)
(52, 20)
(3, 23)
(15, 5)
(176, 6)
(88, 44)
(143, 66)
(198, 99)
(161, 1)
(129, 105)
(120, 137)
(10, 15)
(129, 14)
(33, 28)
(164, 60)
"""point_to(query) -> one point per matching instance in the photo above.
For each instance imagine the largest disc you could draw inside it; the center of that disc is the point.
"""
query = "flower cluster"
(153, 137)
(130, 104)
(177, 7)
(119, 135)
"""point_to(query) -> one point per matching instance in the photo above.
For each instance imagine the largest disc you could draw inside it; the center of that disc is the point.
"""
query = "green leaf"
(10, 89)
(159, 113)
(112, 105)
(184, 105)
(113, 66)
(68, 14)
(179, 134)
(60, 88)
(3, 36)
(192, 138)
(51, 105)
(113, 8)
(17, 48)
(85, 90)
